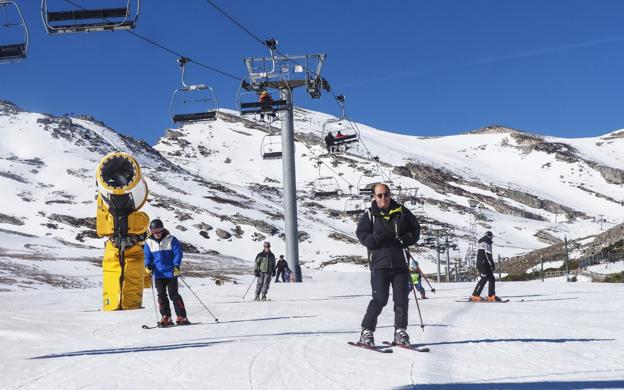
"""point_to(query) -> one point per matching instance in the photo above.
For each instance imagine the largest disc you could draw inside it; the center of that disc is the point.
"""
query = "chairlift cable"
(235, 22)
(163, 47)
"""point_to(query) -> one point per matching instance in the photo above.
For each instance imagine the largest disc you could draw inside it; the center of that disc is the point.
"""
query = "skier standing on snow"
(282, 266)
(163, 257)
(486, 266)
(386, 229)
(265, 268)
(416, 275)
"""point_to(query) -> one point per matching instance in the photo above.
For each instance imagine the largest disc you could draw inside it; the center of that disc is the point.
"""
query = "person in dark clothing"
(265, 268)
(486, 266)
(329, 142)
(163, 257)
(282, 266)
(386, 230)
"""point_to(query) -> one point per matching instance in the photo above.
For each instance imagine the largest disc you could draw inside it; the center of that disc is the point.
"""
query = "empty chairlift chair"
(354, 206)
(193, 103)
(326, 187)
(271, 147)
(13, 33)
(109, 15)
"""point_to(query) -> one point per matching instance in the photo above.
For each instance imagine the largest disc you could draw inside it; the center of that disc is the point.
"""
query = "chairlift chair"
(271, 147)
(342, 124)
(354, 206)
(112, 15)
(12, 48)
(248, 101)
(366, 182)
(326, 187)
(193, 103)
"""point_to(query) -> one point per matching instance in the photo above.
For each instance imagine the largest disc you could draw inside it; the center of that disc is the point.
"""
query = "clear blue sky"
(417, 67)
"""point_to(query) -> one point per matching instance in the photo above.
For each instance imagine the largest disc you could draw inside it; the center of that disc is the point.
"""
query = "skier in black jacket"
(282, 266)
(486, 266)
(386, 230)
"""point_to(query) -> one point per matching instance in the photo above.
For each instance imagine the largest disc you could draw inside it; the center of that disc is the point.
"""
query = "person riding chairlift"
(266, 104)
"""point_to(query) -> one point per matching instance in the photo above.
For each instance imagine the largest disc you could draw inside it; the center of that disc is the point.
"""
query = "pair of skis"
(159, 325)
(387, 345)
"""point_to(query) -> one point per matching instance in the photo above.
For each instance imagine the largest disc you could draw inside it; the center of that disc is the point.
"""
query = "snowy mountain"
(215, 192)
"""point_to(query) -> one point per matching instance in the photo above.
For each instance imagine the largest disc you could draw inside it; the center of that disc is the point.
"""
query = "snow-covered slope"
(59, 340)
(210, 185)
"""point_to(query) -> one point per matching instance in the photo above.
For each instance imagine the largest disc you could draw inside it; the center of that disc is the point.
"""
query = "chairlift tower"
(471, 251)
(284, 74)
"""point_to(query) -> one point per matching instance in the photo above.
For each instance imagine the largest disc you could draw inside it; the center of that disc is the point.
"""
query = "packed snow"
(550, 336)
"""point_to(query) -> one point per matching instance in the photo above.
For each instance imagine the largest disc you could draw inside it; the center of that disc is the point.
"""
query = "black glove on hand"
(257, 273)
(492, 266)
(406, 240)
(273, 273)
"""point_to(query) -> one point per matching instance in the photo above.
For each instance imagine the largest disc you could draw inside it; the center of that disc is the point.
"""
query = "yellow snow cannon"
(122, 191)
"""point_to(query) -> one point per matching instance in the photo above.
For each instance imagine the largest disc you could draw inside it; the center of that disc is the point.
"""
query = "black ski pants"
(488, 276)
(280, 271)
(381, 280)
(171, 284)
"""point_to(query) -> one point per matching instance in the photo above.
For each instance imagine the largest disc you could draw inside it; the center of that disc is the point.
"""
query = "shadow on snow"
(597, 384)
(112, 351)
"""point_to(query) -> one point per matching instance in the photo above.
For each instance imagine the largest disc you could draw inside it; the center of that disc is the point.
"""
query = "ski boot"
(182, 321)
(165, 321)
(257, 298)
(493, 298)
(401, 337)
(263, 297)
(476, 298)
(423, 296)
(367, 339)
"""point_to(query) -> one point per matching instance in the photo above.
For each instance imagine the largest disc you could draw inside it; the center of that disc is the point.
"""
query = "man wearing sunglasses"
(265, 268)
(163, 257)
(386, 230)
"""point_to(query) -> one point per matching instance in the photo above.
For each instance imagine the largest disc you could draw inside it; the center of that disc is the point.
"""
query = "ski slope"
(551, 335)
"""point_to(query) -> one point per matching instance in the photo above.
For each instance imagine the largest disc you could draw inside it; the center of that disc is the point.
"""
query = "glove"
(492, 266)
(406, 239)
(273, 273)
(257, 273)
(176, 271)
(148, 270)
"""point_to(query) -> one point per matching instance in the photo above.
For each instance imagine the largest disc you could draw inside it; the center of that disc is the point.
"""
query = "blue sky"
(416, 67)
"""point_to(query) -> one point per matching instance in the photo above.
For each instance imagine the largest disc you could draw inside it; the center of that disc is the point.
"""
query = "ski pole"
(427, 280)
(200, 301)
(413, 288)
(409, 254)
(154, 296)
(244, 295)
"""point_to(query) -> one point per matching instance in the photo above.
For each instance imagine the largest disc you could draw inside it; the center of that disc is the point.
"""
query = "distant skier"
(486, 266)
(416, 275)
(386, 230)
(282, 266)
(163, 257)
(265, 268)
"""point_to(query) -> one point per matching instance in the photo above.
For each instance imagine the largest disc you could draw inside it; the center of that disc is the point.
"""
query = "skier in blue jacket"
(163, 257)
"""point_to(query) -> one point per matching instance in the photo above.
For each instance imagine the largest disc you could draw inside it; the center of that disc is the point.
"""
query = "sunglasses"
(383, 195)
(157, 231)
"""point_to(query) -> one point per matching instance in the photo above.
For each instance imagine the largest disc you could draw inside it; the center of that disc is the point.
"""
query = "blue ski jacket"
(161, 256)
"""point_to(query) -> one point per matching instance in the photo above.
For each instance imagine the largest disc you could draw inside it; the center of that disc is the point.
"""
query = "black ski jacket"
(385, 234)
(485, 261)
(282, 264)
